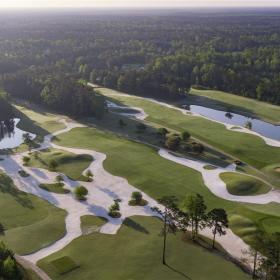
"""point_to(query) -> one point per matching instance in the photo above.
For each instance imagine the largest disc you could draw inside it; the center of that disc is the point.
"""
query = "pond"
(264, 128)
(10, 135)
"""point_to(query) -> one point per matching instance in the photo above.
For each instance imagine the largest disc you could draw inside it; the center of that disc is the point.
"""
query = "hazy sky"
(136, 3)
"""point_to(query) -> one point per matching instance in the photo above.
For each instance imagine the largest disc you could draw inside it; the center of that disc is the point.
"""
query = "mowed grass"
(239, 184)
(156, 176)
(70, 164)
(241, 104)
(55, 188)
(249, 148)
(135, 253)
(30, 223)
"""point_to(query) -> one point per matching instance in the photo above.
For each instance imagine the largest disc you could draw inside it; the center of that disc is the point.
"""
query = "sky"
(139, 3)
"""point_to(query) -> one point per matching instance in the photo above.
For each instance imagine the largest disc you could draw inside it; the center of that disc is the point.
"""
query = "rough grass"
(135, 253)
(55, 188)
(30, 223)
(241, 104)
(239, 184)
(159, 176)
(71, 165)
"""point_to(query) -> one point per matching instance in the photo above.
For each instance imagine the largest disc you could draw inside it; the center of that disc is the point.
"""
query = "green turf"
(30, 223)
(209, 167)
(64, 265)
(249, 148)
(89, 221)
(55, 188)
(70, 164)
(135, 253)
(241, 104)
(239, 184)
(159, 176)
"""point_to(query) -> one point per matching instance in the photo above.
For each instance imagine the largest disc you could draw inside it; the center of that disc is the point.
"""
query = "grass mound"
(209, 167)
(135, 253)
(243, 227)
(71, 165)
(55, 188)
(64, 265)
(90, 224)
(30, 223)
(239, 184)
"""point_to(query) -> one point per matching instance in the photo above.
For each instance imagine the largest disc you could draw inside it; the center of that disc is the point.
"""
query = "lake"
(264, 128)
(10, 135)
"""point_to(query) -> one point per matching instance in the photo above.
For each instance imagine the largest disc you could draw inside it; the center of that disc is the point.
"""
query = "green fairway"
(30, 223)
(67, 163)
(241, 104)
(135, 253)
(158, 176)
(55, 187)
(239, 184)
(249, 148)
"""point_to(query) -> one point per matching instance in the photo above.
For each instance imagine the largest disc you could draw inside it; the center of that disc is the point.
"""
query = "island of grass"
(209, 167)
(90, 224)
(239, 184)
(70, 164)
(135, 253)
(30, 223)
(55, 188)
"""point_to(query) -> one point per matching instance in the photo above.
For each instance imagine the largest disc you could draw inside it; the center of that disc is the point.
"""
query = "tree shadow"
(132, 224)
(178, 271)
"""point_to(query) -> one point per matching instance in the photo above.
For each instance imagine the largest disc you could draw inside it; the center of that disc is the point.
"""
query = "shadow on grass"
(132, 224)
(178, 272)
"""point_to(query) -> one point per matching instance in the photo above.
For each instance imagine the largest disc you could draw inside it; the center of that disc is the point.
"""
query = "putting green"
(70, 164)
(135, 253)
(239, 184)
(30, 223)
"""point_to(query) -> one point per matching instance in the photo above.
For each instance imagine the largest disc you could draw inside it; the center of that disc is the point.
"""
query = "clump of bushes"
(114, 209)
(137, 199)
(81, 193)
(173, 142)
(89, 176)
(26, 160)
(23, 173)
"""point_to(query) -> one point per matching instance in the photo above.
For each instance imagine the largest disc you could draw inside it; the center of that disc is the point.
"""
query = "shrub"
(173, 142)
(185, 135)
(137, 199)
(197, 148)
(26, 160)
(162, 131)
(81, 193)
(59, 179)
(114, 210)
(53, 164)
(23, 174)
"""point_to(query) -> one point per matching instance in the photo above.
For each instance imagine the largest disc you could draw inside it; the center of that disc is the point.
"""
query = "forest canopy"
(156, 54)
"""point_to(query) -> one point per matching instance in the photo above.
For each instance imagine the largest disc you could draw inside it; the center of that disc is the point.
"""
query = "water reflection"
(10, 135)
(264, 128)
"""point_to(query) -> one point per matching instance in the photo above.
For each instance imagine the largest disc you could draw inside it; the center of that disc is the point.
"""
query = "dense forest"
(160, 54)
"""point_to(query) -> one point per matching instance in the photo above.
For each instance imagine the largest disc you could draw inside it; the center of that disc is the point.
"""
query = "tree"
(173, 142)
(59, 179)
(81, 192)
(185, 135)
(196, 208)
(53, 164)
(218, 221)
(114, 209)
(26, 160)
(169, 216)
(89, 175)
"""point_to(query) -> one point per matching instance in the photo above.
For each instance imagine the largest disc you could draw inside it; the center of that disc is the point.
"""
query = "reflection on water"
(264, 128)
(10, 135)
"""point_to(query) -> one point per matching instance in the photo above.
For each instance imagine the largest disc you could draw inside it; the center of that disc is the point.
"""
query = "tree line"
(156, 54)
